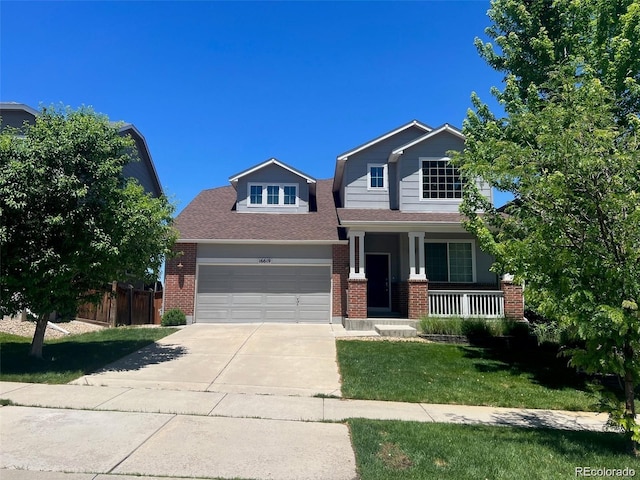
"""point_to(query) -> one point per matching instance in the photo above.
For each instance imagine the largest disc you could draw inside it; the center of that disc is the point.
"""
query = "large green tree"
(567, 147)
(70, 222)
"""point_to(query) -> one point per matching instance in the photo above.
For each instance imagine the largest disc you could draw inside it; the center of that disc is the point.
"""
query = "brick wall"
(339, 276)
(418, 298)
(357, 298)
(179, 283)
(513, 300)
(399, 297)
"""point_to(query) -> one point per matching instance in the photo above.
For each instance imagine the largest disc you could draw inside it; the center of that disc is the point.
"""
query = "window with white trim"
(440, 180)
(273, 194)
(377, 176)
(449, 261)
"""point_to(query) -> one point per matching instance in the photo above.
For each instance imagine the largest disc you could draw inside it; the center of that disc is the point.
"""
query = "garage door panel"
(246, 315)
(243, 293)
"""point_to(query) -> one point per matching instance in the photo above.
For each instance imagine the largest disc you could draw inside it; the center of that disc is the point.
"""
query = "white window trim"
(455, 240)
(421, 186)
(385, 177)
(280, 186)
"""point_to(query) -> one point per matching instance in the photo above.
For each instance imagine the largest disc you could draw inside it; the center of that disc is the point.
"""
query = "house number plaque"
(264, 260)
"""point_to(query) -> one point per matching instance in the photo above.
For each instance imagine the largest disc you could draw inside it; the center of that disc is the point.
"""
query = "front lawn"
(456, 374)
(67, 358)
(414, 451)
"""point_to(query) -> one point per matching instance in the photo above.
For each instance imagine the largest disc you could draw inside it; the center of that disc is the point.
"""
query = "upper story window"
(255, 195)
(440, 180)
(265, 194)
(377, 177)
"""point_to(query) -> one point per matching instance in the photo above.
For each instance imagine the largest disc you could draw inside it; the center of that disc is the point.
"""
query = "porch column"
(418, 301)
(357, 292)
(513, 298)
(356, 265)
(417, 269)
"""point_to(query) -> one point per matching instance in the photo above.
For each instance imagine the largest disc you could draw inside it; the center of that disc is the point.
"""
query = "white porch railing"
(466, 303)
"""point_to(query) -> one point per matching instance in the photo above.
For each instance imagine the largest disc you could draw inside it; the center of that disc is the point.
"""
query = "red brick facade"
(180, 279)
(357, 298)
(339, 276)
(513, 300)
(418, 298)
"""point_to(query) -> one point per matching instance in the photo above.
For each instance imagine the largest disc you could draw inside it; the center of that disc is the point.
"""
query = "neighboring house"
(16, 114)
(383, 238)
(133, 305)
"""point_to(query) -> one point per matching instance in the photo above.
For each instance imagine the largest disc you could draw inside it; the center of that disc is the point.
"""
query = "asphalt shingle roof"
(212, 215)
(383, 215)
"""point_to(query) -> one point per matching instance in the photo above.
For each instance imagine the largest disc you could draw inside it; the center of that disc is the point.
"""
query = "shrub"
(174, 317)
(473, 327)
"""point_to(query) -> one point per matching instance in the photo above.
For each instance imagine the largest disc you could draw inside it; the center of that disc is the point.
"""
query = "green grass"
(413, 451)
(465, 375)
(67, 358)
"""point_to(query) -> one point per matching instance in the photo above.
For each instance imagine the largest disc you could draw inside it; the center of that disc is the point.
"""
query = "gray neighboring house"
(16, 114)
(383, 240)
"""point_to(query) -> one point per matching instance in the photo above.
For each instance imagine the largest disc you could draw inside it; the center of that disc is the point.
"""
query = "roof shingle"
(212, 216)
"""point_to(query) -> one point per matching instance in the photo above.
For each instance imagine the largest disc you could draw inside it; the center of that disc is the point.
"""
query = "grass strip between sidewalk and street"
(460, 374)
(421, 451)
(67, 358)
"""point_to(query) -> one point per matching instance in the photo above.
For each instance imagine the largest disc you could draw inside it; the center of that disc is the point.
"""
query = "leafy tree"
(568, 148)
(70, 221)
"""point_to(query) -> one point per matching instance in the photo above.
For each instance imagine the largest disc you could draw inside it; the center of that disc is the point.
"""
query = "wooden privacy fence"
(123, 305)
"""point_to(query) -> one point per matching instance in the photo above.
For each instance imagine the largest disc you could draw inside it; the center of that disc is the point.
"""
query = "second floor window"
(377, 178)
(440, 180)
(273, 195)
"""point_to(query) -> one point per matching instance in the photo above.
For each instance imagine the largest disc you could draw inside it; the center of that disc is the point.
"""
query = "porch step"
(395, 331)
(370, 323)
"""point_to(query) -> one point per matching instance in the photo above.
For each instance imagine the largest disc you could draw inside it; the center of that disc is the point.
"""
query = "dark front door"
(377, 271)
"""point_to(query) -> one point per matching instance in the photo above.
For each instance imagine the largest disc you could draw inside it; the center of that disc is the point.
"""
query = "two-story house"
(382, 240)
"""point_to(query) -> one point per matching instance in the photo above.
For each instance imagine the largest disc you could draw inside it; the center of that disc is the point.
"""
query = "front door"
(377, 270)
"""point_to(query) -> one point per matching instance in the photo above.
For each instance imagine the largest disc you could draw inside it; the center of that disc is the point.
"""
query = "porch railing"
(466, 303)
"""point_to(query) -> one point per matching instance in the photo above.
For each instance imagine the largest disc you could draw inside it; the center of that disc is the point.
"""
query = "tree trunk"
(38, 336)
(630, 406)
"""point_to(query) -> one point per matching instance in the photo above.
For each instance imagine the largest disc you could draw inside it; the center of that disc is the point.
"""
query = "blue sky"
(217, 87)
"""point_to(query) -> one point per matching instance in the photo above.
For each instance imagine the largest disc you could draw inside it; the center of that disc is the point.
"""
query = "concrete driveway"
(280, 359)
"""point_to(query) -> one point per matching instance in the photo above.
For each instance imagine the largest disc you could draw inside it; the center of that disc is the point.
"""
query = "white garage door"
(263, 293)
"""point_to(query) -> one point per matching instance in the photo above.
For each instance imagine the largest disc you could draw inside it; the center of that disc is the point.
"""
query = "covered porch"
(414, 273)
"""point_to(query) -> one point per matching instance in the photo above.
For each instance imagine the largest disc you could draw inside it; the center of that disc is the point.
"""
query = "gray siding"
(356, 193)
(15, 118)
(409, 166)
(141, 170)
(253, 252)
(276, 175)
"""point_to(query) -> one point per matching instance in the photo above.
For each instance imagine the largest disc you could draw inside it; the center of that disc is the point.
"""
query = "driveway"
(263, 358)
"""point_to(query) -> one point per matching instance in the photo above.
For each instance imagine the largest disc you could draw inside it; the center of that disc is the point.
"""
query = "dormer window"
(440, 180)
(273, 194)
(377, 177)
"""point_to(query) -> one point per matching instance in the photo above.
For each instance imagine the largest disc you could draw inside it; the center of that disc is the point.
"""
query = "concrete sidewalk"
(172, 434)
(274, 407)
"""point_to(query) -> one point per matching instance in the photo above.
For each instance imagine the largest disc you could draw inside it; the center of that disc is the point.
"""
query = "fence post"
(465, 305)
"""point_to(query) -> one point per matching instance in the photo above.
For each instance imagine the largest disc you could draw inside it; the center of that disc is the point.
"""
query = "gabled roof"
(395, 154)
(18, 106)
(272, 161)
(123, 128)
(342, 159)
(212, 217)
(413, 123)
